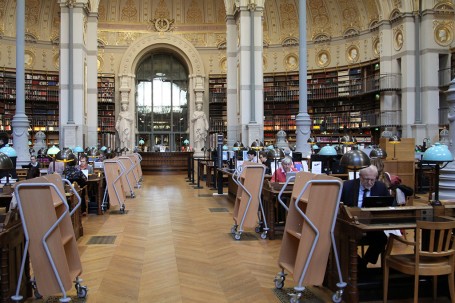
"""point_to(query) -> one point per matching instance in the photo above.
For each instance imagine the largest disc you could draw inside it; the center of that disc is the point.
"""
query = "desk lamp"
(12, 155)
(378, 152)
(52, 152)
(394, 140)
(78, 149)
(328, 152)
(355, 160)
(141, 144)
(312, 142)
(438, 156)
(66, 155)
(276, 155)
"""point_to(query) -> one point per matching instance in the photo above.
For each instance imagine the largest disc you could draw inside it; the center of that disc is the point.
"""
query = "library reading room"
(229, 151)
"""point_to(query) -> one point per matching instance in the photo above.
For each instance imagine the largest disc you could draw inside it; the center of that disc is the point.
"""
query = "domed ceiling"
(203, 21)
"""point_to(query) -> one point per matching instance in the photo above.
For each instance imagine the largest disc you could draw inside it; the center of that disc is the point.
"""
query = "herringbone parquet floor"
(170, 247)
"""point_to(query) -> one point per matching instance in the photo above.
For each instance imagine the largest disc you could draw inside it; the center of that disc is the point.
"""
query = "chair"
(433, 256)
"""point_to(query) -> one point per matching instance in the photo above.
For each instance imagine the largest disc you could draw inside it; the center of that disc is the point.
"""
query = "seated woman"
(280, 174)
(74, 174)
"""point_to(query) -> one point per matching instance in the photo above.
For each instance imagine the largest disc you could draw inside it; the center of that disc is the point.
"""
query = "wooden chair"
(434, 256)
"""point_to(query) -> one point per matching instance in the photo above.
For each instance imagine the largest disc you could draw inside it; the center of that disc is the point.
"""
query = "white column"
(73, 75)
(233, 133)
(92, 80)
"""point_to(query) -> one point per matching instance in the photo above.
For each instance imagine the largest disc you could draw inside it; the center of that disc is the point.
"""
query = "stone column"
(233, 132)
(73, 73)
(92, 80)
(20, 122)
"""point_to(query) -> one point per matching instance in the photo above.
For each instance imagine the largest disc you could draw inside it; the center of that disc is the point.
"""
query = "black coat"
(350, 192)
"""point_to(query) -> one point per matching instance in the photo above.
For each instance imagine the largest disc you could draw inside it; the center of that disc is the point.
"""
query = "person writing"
(353, 194)
(280, 174)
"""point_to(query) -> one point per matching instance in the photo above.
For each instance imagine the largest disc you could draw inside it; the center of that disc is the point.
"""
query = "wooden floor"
(170, 247)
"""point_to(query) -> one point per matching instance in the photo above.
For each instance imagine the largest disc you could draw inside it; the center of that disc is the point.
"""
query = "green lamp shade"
(8, 150)
(328, 150)
(437, 153)
(141, 142)
(78, 149)
(53, 150)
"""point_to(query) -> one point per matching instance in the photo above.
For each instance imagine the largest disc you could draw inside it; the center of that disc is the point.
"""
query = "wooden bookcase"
(281, 106)
(340, 101)
(41, 102)
(106, 110)
(218, 105)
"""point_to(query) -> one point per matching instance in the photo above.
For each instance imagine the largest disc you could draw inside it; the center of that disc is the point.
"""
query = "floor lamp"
(438, 156)
(355, 160)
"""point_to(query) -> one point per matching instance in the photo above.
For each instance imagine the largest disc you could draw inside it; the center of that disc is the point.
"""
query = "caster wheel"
(294, 300)
(257, 229)
(279, 282)
(37, 295)
(82, 292)
(237, 236)
(336, 298)
(264, 235)
(233, 229)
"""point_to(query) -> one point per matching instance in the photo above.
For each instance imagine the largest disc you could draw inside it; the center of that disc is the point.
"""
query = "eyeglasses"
(368, 179)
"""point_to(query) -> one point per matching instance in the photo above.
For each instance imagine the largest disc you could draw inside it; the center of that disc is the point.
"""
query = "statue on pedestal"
(124, 127)
(201, 127)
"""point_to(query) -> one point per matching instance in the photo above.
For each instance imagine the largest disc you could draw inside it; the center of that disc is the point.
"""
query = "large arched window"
(162, 102)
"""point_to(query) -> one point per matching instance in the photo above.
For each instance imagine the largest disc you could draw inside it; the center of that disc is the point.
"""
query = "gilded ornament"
(443, 35)
(352, 54)
(323, 58)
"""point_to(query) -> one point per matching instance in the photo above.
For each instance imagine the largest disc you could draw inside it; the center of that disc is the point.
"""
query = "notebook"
(378, 201)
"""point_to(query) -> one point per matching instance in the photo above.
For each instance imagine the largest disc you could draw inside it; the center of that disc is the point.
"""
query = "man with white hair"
(354, 191)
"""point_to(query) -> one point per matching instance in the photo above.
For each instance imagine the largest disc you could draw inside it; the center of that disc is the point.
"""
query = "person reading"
(280, 174)
(353, 194)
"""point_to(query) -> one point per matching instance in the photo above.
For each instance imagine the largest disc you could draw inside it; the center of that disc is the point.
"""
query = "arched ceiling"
(203, 21)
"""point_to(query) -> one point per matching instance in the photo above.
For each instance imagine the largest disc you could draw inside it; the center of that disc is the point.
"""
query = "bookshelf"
(41, 102)
(106, 110)
(218, 105)
(341, 101)
(281, 106)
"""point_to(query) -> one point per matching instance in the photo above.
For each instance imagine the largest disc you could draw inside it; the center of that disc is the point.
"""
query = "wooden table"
(352, 224)
(95, 183)
(274, 212)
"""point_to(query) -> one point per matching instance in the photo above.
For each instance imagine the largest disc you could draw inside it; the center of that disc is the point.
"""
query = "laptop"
(378, 201)
(290, 174)
(98, 164)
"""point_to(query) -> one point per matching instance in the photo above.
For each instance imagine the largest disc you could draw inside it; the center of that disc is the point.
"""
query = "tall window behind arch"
(162, 102)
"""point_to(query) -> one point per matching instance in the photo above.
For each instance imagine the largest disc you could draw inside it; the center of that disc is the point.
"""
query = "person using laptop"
(251, 156)
(286, 166)
(353, 194)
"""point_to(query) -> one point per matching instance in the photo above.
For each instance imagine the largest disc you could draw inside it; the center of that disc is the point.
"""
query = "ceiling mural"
(202, 21)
